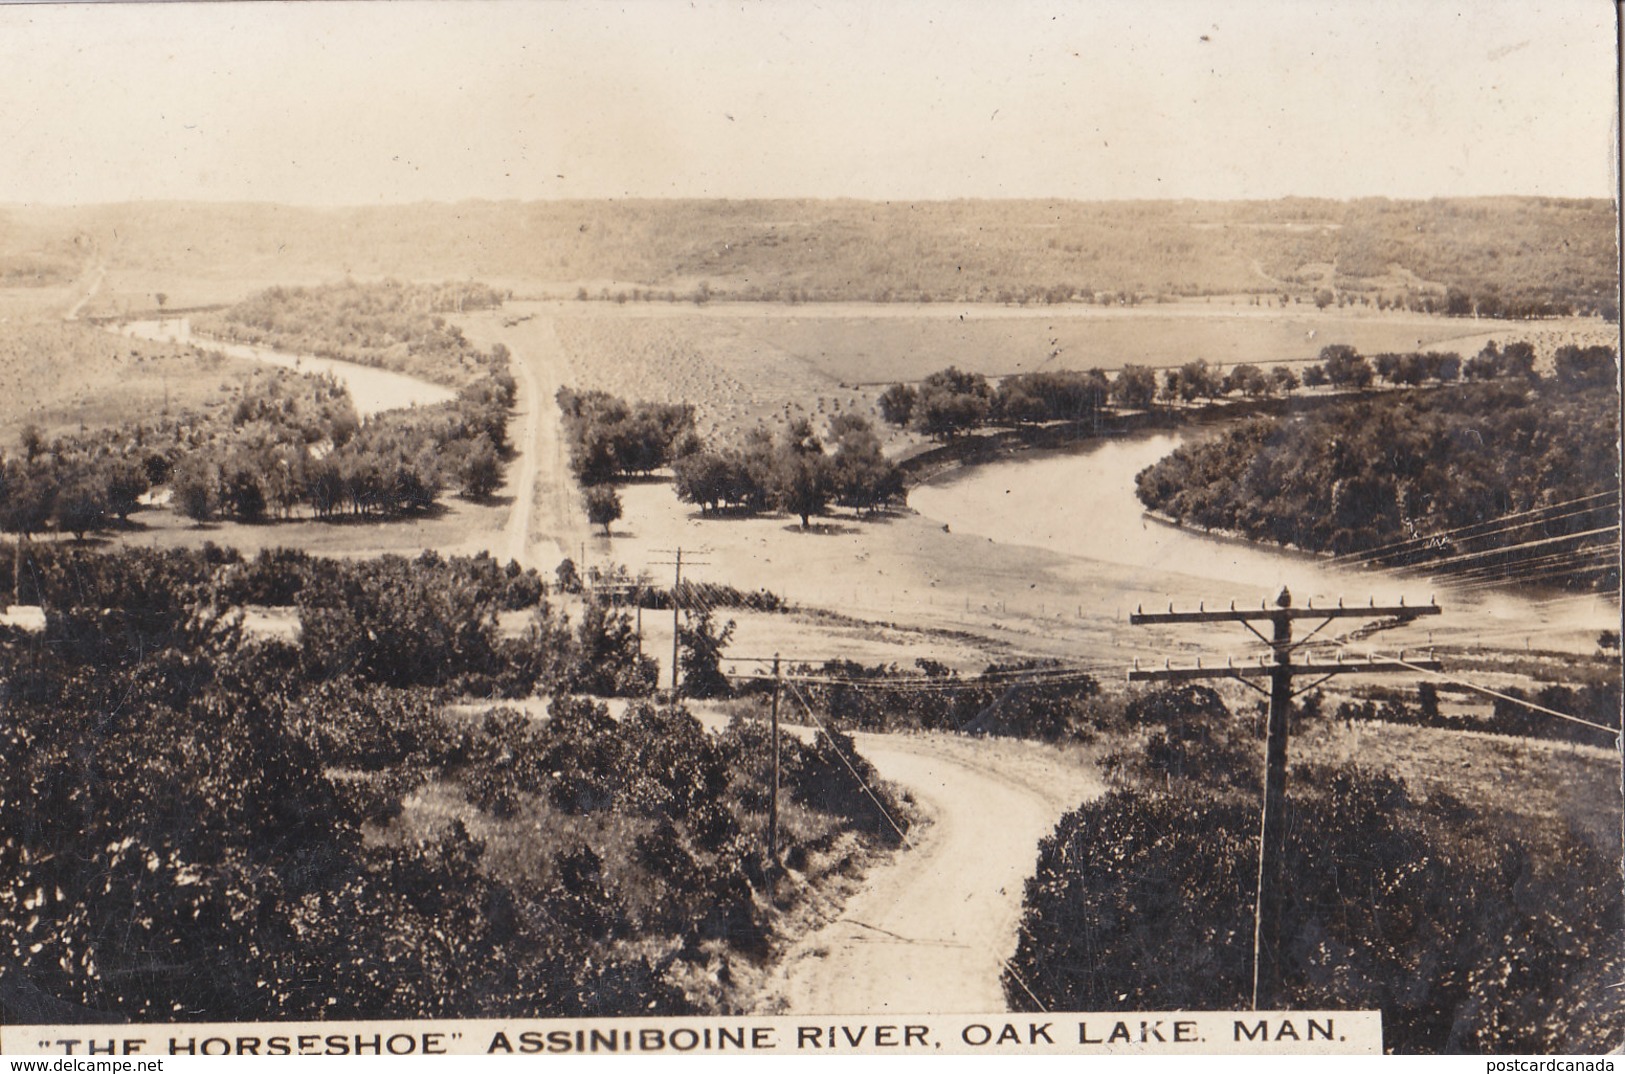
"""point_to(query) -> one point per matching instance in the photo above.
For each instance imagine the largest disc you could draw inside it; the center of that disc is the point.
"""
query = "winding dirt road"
(930, 931)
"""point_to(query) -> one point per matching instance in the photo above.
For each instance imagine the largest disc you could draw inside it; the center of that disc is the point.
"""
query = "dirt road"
(929, 932)
(540, 485)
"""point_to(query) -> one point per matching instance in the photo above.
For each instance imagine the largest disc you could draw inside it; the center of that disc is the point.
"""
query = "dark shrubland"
(1468, 930)
(196, 823)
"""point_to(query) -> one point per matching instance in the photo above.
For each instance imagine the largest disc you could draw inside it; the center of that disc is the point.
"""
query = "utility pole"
(676, 585)
(773, 801)
(676, 588)
(1266, 962)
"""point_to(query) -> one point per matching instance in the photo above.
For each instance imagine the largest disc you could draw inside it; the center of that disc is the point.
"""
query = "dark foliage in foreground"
(1465, 934)
(198, 825)
(1029, 699)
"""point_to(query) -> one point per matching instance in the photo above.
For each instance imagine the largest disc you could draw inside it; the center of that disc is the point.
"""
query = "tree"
(480, 472)
(195, 486)
(1314, 376)
(80, 507)
(897, 404)
(27, 496)
(1135, 387)
(951, 402)
(125, 483)
(1172, 385)
(241, 491)
(1345, 367)
(568, 578)
(803, 476)
(1585, 367)
(610, 661)
(700, 646)
(33, 442)
(1198, 380)
(863, 477)
(1249, 380)
(702, 477)
(603, 505)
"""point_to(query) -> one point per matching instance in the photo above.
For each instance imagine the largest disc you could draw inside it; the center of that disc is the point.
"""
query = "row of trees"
(951, 402)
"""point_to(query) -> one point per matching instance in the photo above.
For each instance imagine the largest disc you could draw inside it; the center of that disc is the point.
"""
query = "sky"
(337, 103)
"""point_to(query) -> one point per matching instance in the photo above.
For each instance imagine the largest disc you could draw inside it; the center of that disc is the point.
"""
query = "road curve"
(929, 932)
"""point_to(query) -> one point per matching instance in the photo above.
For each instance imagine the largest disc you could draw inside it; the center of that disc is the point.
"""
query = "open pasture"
(57, 375)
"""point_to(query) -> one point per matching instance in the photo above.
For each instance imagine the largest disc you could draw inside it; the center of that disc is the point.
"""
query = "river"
(1081, 503)
(371, 390)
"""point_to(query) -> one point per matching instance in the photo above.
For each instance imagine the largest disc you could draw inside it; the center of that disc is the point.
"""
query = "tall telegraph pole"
(676, 601)
(1280, 670)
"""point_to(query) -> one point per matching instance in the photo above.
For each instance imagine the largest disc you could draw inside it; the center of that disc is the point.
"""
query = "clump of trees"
(612, 439)
(793, 472)
(1409, 473)
(292, 441)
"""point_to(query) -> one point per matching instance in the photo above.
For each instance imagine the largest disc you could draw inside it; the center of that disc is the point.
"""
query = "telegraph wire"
(1615, 731)
(842, 755)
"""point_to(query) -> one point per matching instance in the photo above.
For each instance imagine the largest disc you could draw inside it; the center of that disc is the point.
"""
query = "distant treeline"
(1511, 475)
(388, 324)
(1512, 256)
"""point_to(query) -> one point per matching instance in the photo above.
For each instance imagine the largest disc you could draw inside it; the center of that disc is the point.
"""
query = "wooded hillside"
(1499, 250)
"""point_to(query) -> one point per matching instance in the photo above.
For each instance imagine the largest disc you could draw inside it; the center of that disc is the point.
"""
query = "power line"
(1464, 557)
(1369, 553)
(1505, 697)
(839, 753)
(1267, 909)
(924, 686)
(1578, 562)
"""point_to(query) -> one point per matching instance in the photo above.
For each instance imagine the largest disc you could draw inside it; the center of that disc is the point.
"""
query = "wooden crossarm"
(1264, 671)
(1238, 615)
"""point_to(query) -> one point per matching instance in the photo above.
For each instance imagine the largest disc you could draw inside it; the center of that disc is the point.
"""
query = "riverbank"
(372, 390)
(924, 463)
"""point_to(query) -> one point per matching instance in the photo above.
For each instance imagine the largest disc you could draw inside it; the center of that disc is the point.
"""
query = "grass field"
(60, 375)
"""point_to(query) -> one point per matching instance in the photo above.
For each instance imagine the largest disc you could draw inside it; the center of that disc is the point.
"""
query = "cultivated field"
(745, 361)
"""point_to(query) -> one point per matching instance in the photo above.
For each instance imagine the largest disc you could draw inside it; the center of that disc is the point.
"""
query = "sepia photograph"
(810, 528)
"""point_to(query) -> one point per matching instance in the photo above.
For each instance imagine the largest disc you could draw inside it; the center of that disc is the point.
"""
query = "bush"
(1466, 940)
